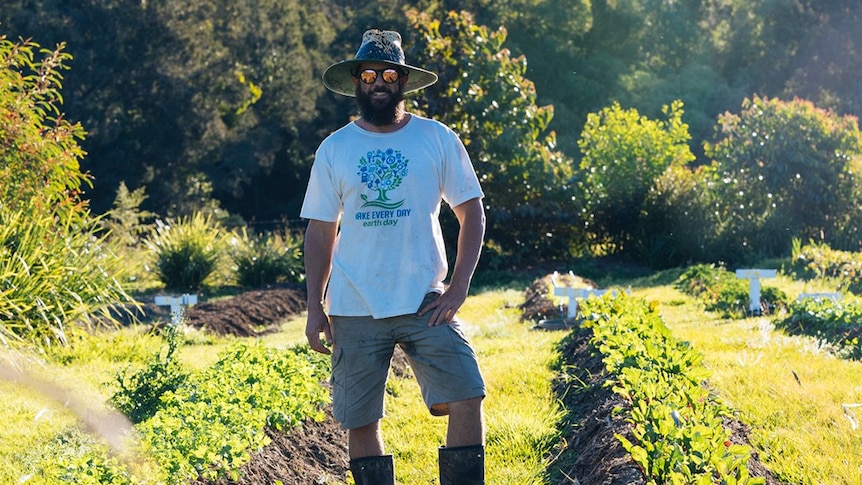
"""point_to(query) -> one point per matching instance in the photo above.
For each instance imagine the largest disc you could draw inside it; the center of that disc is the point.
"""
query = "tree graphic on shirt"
(382, 170)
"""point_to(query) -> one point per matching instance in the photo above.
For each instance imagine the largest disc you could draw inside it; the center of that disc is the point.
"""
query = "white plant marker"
(753, 276)
(573, 294)
(176, 304)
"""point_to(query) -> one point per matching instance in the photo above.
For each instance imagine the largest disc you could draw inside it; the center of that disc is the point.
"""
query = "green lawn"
(788, 389)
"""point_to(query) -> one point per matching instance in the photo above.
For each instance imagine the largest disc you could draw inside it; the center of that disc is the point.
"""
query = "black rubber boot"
(373, 470)
(464, 465)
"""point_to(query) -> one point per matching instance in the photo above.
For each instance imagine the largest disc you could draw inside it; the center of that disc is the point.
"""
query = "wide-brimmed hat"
(377, 46)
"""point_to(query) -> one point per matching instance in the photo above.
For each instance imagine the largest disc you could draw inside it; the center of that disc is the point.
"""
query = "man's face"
(379, 102)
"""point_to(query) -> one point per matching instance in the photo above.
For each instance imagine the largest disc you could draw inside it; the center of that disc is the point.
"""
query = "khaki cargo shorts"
(442, 360)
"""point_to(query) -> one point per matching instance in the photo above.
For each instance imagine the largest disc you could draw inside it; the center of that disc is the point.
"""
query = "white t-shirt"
(386, 190)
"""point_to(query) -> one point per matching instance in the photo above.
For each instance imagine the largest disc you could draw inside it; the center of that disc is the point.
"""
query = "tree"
(785, 170)
(56, 271)
(484, 96)
(382, 171)
(624, 154)
(39, 151)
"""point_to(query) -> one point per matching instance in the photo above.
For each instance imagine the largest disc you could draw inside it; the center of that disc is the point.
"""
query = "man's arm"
(319, 244)
(471, 218)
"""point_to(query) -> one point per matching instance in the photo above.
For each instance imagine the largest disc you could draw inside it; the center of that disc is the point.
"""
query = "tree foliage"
(785, 170)
(219, 106)
(485, 97)
(624, 153)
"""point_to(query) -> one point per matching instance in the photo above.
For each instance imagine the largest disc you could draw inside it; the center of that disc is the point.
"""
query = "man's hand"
(444, 308)
(316, 324)
(471, 217)
(319, 243)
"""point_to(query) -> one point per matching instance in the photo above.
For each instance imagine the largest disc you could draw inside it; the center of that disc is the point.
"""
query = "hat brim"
(337, 77)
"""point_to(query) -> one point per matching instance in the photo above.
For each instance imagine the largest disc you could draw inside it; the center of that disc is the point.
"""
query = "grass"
(798, 427)
(521, 414)
(788, 389)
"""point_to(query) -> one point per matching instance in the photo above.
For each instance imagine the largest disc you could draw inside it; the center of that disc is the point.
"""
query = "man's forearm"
(319, 243)
(471, 217)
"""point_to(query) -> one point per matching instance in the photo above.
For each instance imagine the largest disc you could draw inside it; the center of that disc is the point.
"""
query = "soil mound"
(248, 314)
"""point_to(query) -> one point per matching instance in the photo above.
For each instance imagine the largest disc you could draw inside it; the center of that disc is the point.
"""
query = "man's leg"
(368, 464)
(365, 441)
(462, 460)
(466, 423)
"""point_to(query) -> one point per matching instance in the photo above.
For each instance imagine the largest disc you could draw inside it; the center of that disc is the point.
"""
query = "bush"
(56, 275)
(140, 394)
(265, 259)
(784, 170)
(624, 154)
(39, 153)
(721, 291)
(187, 251)
(678, 225)
(55, 272)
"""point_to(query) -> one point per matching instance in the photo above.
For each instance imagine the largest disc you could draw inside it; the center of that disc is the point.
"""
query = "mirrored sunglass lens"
(368, 76)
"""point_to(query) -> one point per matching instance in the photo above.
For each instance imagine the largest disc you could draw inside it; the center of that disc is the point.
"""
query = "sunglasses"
(368, 76)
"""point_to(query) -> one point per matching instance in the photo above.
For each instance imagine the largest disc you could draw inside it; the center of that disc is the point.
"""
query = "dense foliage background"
(218, 107)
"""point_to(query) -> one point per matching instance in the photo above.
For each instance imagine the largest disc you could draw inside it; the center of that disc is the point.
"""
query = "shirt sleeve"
(322, 196)
(460, 182)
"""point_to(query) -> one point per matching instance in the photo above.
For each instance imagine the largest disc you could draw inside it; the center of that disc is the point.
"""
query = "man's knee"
(467, 406)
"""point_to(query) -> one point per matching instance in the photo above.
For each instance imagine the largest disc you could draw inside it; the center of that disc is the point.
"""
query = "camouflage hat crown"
(377, 46)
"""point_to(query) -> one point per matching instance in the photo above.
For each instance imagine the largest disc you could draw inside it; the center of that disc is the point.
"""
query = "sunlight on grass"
(789, 389)
(31, 421)
(521, 414)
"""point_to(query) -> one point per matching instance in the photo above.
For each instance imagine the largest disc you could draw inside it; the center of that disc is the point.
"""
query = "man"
(375, 262)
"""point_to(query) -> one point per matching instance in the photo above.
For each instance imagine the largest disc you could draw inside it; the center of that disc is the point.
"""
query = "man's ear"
(403, 80)
(355, 81)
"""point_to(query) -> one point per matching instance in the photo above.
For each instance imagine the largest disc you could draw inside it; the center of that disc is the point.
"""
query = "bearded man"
(376, 266)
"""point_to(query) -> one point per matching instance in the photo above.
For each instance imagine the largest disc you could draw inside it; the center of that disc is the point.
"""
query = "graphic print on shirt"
(382, 171)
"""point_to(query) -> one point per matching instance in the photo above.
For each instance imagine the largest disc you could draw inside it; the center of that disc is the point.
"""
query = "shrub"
(678, 225)
(140, 393)
(784, 170)
(267, 258)
(39, 153)
(721, 291)
(55, 272)
(187, 251)
(624, 154)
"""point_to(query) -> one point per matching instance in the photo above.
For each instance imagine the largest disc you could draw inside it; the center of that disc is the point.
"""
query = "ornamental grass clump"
(187, 251)
(56, 276)
(266, 259)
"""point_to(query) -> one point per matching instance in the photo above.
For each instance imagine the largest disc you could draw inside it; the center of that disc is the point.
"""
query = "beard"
(379, 112)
